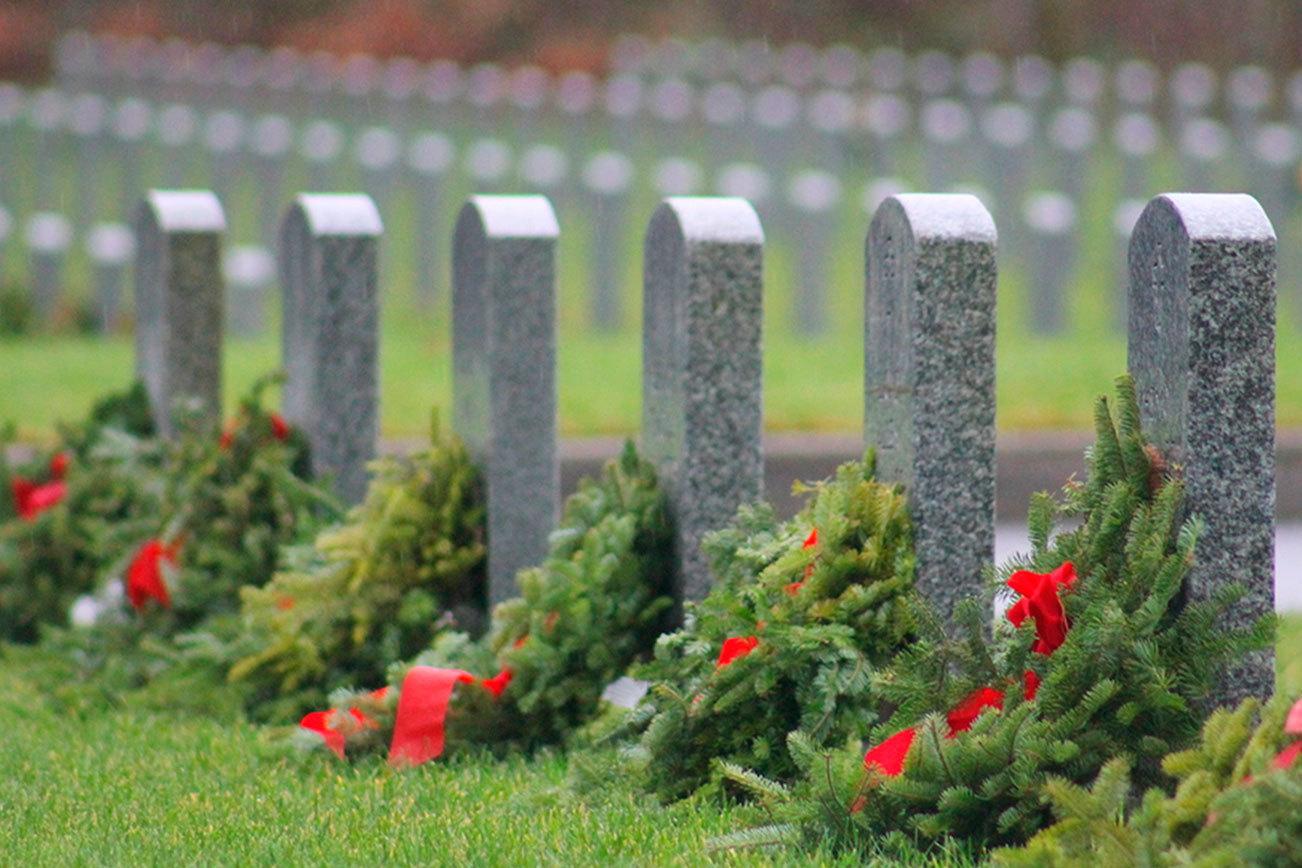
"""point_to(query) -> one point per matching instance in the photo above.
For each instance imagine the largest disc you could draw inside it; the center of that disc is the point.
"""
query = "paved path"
(1011, 538)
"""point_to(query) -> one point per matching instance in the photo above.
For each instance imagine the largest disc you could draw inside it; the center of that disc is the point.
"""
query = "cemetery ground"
(144, 783)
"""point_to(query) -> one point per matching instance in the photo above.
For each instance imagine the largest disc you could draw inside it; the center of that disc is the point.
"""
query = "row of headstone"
(276, 75)
(1041, 224)
(1202, 278)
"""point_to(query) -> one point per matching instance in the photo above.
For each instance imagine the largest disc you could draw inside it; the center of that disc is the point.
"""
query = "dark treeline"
(578, 33)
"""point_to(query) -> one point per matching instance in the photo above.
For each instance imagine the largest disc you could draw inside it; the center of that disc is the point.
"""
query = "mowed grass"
(84, 785)
(808, 386)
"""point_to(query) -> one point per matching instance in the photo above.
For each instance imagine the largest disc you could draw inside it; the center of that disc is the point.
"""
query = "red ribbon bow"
(279, 430)
(1041, 600)
(145, 574)
(734, 649)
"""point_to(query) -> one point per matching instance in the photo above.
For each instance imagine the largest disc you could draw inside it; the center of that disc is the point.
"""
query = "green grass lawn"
(81, 784)
(1042, 383)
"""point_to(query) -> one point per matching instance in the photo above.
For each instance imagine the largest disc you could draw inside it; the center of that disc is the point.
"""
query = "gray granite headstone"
(504, 372)
(929, 379)
(328, 262)
(179, 301)
(702, 411)
(1202, 352)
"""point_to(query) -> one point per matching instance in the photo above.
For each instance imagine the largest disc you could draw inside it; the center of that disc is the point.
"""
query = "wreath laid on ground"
(593, 607)
(1098, 657)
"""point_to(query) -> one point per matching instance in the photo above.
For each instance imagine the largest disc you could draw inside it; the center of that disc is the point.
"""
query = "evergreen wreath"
(407, 563)
(592, 608)
(801, 614)
(1108, 660)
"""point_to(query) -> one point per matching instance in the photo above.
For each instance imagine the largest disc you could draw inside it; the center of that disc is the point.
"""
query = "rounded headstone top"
(716, 59)
(48, 232)
(1249, 87)
(1204, 139)
(430, 153)
(798, 64)
(840, 65)
(512, 216)
(814, 191)
(1049, 212)
(776, 107)
(320, 75)
(87, 114)
(322, 141)
(1083, 80)
(676, 176)
(1136, 135)
(608, 173)
(185, 210)
(401, 79)
(933, 73)
(888, 68)
(132, 118)
(1276, 145)
(544, 166)
(671, 100)
(940, 215)
(249, 266)
(982, 74)
(285, 69)
(1137, 82)
(242, 68)
(945, 120)
(378, 149)
(177, 125)
(488, 160)
(272, 136)
(1211, 216)
(339, 214)
(486, 85)
(744, 181)
(886, 116)
(111, 243)
(1032, 77)
(12, 101)
(1008, 124)
(359, 75)
(443, 82)
(1193, 86)
(223, 132)
(831, 111)
(623, 96)
(723, 104)
(576, 92)
(48, 109)
(75, 53)
(713, 219)
(528, 87)
(754, 62)
(1073, 130)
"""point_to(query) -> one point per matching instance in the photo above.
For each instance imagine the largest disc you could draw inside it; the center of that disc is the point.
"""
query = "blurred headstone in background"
(250, 271)
(110, 248)
(1050, 218)
(48, 236)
